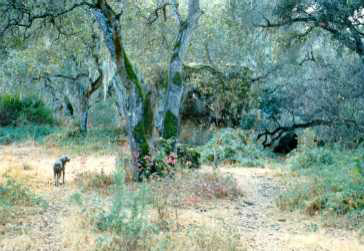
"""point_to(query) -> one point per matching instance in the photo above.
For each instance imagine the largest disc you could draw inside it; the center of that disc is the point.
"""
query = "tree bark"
(84, 107)
(134, 97)
(171, 119)
(130, 90)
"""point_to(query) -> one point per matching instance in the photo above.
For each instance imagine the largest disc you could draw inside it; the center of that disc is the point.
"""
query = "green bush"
(14, 198)
(330, 181)
(188, 156)
(15, 110)
(313, 158)
(164, 161)
(233, 146)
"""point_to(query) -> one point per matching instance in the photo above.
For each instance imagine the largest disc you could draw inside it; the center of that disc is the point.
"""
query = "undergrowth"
(16, 110)
(233, 146)
(35, 133)
(13, 196)
(145, 215)
(97, 140)
(326, 181)
(90, 181)
(126, 217)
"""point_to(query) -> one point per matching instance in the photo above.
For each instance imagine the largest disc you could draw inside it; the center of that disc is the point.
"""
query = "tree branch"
(155, 14)
(277, 133)
(24, 17)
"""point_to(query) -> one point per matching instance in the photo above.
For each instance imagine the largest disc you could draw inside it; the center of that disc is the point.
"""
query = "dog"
(59, 169)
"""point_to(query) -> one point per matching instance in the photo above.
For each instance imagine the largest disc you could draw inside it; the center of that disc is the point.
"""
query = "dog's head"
(65, 159)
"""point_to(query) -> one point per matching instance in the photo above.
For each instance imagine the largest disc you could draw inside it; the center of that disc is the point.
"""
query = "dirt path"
(46, 227)
(59, 227)
(264, 227)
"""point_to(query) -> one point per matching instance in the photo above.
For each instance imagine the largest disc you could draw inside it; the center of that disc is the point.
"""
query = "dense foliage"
(15, 110)
(235, 147)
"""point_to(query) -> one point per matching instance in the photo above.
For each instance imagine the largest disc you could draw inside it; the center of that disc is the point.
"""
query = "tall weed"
(127, 215)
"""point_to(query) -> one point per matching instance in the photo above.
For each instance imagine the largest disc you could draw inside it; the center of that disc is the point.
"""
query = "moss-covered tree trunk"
(135, 106)
(170, 124)
(134, 99)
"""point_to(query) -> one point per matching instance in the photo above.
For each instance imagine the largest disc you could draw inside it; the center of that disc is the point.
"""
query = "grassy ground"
(326, 182)
(190, 212)
(230, 208)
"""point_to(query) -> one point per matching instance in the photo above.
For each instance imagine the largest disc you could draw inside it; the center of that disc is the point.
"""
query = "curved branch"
(155, 14)
(277, 133)
(25, 18)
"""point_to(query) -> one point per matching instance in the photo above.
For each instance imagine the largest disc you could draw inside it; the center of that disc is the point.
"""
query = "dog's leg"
(63, 173)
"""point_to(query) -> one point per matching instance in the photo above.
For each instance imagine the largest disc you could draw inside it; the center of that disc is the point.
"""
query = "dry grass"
(204, 227)
(92, 181)
(322, 241)
(193, 211)
(197, 225)
(31, 165)
(79, 234)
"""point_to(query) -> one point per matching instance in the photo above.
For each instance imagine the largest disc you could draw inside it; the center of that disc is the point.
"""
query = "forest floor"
(63, 226)
(265, 227)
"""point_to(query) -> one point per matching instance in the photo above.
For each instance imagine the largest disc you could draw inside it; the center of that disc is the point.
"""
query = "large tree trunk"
(137, 110)
(171, 119)
(134, 98)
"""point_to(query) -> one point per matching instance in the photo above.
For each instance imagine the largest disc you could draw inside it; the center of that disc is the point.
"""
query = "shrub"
(15, 110)
(312, 158)
(188, 156)
(14, 193)
(164, 161)
(330, 181)
(144, 216)
(157, 165)
(233, 146)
